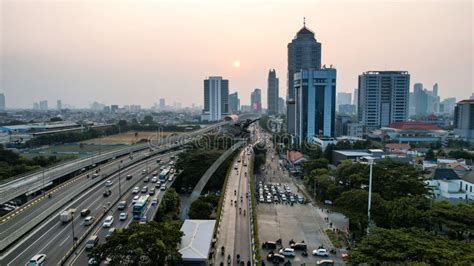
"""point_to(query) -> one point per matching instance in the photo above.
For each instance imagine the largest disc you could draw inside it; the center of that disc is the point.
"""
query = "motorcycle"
(229, 260)
(222, 250)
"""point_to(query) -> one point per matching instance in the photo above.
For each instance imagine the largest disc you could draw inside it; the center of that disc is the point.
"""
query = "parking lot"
(283, 213)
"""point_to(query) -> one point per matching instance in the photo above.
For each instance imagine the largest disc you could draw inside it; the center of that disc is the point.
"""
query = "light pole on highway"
(119, 175)
(43, 179)
(73, 235)
(371, 163)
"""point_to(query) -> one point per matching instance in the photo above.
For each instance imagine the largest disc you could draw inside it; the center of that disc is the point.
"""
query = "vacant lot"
(128, 138)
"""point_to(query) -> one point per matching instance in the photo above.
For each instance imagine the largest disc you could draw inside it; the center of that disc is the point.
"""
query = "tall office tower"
(256, 100)
(315, 103)
(114, 108)
(2, 102)
(272, 93)
(59, 105)
(216, 99)
(464, 119)
(447, 106)
(281, 106)
(355, 99)
(343, 98)
(383, 98)
(411, 104)
(421, 99)
(435, 89)
(36, 106)
(162, 104)
(472, 96)
(43, 105)
(304, 52)
(234, 102)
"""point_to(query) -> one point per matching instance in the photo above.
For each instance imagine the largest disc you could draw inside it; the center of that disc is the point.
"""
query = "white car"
(108, 221)
(261, 199)
(269, 199)
(135, 199)
(123, 216)
(89, 220)
(154, 179)
(108, 183)
(163, 187)
(136, 190)
(287, 252)
(38, 259)
(322, 252)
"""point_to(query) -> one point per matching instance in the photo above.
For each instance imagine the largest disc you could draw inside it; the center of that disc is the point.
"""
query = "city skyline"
(46, 58)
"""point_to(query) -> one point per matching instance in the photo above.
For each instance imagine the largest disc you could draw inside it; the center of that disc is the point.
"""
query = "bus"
(164, 174)
(139, 207)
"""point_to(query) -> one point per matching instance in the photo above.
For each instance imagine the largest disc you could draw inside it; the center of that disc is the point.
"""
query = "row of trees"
(260, 152)
(458, 154)
(12, 164)
(400, 205)
(204, 207)
(153, 243)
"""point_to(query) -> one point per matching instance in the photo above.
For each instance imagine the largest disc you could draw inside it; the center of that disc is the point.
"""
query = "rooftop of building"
(469, 177)
(413, 126)
(353, 153)
(196, 241)
(397, 146)
(467, 101)
(444, 174)
(391, 72)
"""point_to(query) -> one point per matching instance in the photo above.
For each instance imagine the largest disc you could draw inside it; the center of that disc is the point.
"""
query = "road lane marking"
(64, 241)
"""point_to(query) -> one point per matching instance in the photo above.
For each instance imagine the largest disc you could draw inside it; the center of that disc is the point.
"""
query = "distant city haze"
(136, 52)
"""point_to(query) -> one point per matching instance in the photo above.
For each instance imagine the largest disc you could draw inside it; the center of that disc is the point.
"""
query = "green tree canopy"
(457, 218)
(143, 244)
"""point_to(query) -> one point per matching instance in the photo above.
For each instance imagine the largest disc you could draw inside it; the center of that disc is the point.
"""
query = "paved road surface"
(54, 238)
(234, 232)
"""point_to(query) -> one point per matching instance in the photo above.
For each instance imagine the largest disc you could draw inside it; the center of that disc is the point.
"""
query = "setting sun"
(236, 63)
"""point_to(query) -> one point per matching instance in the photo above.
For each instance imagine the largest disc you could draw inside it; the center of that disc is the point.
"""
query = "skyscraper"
(355, 98)
(162, 104)
(216, 99)
(383, 98)
(272, 93)
(343, 98)
(304, 52)
(256, 100)
(234, 102)
(2, 102)
(43, 105)
(315, 103)
(464, 120)
(281, 106)
(59, 105)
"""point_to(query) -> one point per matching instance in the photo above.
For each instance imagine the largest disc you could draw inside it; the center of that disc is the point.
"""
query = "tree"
(55, 119)
(169, 207)
(143, 244)
(457, 218)
(430, 156)
(461, 154)
(352, 175)
(315, 164)
(200, 209)
(405, 212)
(400, 246)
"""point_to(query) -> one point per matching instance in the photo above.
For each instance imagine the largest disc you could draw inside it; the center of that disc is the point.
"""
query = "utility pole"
(43, 179)
(73, 235)
(371, 162)
(120, 187)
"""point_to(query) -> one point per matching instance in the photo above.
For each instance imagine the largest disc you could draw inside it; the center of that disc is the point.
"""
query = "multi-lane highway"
(54, 238)
(81, 257)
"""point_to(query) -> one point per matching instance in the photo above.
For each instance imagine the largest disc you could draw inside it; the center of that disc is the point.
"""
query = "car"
(95, 175)
(128, 177)
(123, 216)
(38, 259)
(269, 199)
(322, 252)
(292, 199)
(325, 262)
(89, 220)
(108, 183)
(163, 187)
(269, 245)
(122, 205)
(135, 199)
(144, 172)
(170, 179)
(154, 179)
(142, 220)
(109, 220)
(152, 191)
(155, 173)
(109, 233)
(146, 179)
(299, 246)
(275, 257)
(287, 252)
(107, 193)
(85, 212)
(136, 190)
(144, 189)
(154, 202)
(300, 199)
(261, 199)
(283, 197)
(275, 199)
(92, 242)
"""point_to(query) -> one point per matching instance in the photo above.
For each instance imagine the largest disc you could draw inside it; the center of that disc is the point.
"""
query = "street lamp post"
(120, 187)
(43, 179)
(73, 235)
(371, 163)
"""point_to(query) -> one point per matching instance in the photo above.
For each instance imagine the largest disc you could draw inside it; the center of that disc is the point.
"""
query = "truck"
(66, 215)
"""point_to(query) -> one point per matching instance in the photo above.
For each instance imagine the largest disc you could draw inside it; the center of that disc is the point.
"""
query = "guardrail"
(34, 182)
(7, 241)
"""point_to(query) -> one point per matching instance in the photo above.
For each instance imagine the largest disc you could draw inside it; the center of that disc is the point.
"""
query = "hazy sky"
(135, 52)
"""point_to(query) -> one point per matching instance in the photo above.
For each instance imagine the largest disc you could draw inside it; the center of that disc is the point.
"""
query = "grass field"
(127, 138)
(76, 150)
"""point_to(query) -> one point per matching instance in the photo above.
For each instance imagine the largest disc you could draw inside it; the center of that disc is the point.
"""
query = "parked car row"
(290, 252)
(274, 193)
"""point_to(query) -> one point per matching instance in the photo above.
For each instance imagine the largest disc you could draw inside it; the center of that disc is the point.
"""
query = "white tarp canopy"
(196, 241)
